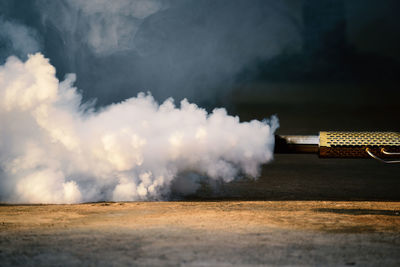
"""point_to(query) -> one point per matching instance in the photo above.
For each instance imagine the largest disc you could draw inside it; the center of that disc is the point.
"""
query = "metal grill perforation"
(354, 144)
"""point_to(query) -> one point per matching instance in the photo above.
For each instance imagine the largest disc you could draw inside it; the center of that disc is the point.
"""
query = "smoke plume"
(182, 49)
(17, 39)
(56, 149)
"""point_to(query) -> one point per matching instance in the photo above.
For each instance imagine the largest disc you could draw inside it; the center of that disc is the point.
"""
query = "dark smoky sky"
(204, 50)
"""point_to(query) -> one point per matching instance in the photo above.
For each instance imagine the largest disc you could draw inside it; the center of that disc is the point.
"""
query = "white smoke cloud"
(54, 149)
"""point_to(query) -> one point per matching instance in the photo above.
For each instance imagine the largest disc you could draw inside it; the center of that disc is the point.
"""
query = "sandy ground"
(222, 233)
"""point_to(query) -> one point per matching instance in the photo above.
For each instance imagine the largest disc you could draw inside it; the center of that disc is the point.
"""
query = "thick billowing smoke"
(55, 149)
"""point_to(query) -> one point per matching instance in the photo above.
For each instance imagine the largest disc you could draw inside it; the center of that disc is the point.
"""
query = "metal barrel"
(296, 144)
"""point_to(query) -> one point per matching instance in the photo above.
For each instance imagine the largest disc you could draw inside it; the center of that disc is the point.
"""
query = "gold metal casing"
(357, 144)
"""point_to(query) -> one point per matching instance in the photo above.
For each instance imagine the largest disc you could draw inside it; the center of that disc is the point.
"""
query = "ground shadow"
(360, 211)
(307, 177)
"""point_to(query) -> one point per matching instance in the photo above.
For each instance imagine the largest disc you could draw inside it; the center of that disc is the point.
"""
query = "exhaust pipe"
(382, 146)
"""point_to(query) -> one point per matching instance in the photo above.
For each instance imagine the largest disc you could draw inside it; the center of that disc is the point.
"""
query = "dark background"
(317, 64)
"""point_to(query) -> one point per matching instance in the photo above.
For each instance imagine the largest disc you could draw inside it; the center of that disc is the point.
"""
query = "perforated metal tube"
(336, 144)
(355, 144)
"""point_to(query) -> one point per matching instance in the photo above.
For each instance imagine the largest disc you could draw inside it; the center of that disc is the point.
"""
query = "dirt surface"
(223, 233)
